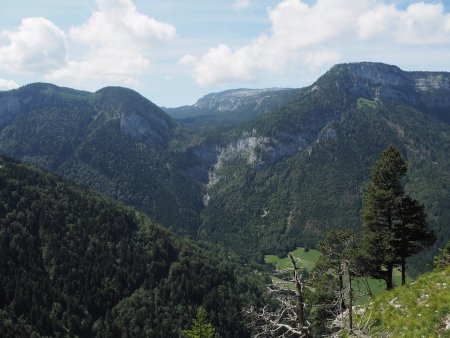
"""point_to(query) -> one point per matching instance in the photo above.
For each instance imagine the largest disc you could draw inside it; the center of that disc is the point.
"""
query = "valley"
(264, 182)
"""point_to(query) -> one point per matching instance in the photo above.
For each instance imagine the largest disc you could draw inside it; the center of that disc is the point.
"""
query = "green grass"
(418, 309)
(376, 286)
(308, 260)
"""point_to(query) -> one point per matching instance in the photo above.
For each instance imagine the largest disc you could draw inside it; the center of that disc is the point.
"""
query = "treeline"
(76, 264)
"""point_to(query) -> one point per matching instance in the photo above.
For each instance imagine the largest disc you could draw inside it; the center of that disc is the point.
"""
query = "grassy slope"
(419, 309)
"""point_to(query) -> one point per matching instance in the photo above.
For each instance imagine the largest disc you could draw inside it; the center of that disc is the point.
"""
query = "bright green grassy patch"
(308, 259)
(362, 103)
(418, 309)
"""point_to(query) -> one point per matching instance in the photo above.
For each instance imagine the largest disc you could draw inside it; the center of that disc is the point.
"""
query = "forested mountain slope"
(75, 264)
(289, 165)
(290, 175)
(114, 141)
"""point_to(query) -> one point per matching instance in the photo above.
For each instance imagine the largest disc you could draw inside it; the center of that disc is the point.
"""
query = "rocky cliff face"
(434, 91)
(259, 151)
(137, 127)
(431, 81)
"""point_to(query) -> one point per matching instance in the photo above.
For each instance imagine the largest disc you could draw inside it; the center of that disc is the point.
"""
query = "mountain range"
(259, 171)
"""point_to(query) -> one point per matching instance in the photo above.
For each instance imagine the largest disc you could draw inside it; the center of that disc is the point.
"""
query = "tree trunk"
(389, 284)
(304, 327)
(341, 295)
(403, 270)
(350, 299)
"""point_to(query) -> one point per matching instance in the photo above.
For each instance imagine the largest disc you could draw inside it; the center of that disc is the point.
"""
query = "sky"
(175, 51)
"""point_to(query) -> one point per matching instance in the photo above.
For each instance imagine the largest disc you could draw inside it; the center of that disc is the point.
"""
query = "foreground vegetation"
(308, 259)
(418, 309)
(320, 297)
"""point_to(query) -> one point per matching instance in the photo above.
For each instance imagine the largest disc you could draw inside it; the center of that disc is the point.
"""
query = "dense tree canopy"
(73, 263)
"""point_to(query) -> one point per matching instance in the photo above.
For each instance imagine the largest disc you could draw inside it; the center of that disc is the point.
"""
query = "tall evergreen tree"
(381, 198)
(394, 224)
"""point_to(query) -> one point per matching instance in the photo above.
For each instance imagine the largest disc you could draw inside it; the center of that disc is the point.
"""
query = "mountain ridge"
(114, 141)
(234, 104)
(265, 182)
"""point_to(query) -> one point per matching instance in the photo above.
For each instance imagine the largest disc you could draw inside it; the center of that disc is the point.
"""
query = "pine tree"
(201, 327)
(380, 201)
(394, 224)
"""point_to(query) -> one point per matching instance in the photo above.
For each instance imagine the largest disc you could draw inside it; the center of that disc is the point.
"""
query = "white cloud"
(313, 35)
(423, 24)
(119, 40)
(319, 58)
(8, 84)
(379, 21)
(420, 23)
(188, 59)
(36, 46)
(241, 4)
(221, 64)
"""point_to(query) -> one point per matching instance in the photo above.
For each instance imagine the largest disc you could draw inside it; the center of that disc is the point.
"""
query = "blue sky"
(175, 51)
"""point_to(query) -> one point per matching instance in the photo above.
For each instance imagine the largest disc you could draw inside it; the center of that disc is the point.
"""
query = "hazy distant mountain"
(235, 104)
